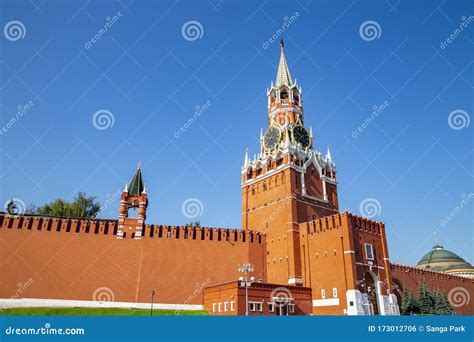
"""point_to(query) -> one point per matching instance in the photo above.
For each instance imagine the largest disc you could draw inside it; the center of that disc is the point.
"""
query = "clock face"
(271, 138)
(301, 135)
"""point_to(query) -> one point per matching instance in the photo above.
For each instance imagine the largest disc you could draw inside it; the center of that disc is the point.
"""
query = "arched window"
(273, 96)
(296, 98)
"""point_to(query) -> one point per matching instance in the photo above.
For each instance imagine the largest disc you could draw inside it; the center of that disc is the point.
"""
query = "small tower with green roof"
(134, 196)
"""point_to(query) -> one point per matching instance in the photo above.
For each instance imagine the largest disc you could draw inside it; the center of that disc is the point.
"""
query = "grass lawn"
(96, 312)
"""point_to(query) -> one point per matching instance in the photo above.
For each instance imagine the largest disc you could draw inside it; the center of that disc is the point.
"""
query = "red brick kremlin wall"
(71, 259)
(459, 290)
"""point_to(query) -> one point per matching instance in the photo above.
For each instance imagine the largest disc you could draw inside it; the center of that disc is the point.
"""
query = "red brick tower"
(287, 182)
(133, 196)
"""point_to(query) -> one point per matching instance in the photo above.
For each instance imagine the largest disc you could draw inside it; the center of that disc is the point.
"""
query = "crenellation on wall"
(58, 224)
(409, 278)
(429, 274)
(323, 224)
(366, 225)
(109, 227)
(203, 234)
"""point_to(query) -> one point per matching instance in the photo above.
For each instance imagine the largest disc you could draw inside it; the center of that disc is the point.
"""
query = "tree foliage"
(425, 299)
(427, 302)
(83, 206)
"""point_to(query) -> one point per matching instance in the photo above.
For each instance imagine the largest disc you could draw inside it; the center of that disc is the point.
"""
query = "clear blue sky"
(150, 78)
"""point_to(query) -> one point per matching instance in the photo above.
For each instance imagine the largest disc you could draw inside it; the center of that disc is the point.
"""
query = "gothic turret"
(134, 197)
(284, 97)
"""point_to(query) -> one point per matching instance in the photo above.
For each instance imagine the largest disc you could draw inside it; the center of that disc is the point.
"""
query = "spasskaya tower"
(287, 182)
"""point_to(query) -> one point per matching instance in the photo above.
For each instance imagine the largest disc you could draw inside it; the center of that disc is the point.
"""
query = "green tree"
(425, 299)
(447, 307)
(82, 206)
(409, 304)
(193, 224)
(438, 303)
(405, 300)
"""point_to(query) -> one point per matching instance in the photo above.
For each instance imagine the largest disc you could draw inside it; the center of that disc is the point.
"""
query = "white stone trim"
(368, 265)
(285, 108)
(266, 175)
(316, 198)
(329, 180)
(295, 281)
(326, 302)
(63, 303)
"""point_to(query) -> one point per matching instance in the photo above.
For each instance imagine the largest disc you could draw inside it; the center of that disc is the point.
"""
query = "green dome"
(442, 260)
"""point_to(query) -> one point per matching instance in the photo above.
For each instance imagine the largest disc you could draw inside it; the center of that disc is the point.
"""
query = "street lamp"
(152, 295)
(246, 269)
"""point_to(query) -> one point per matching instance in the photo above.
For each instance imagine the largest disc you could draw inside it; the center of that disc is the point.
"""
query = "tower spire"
(283, 74)
(328, 155)
(136, 184)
